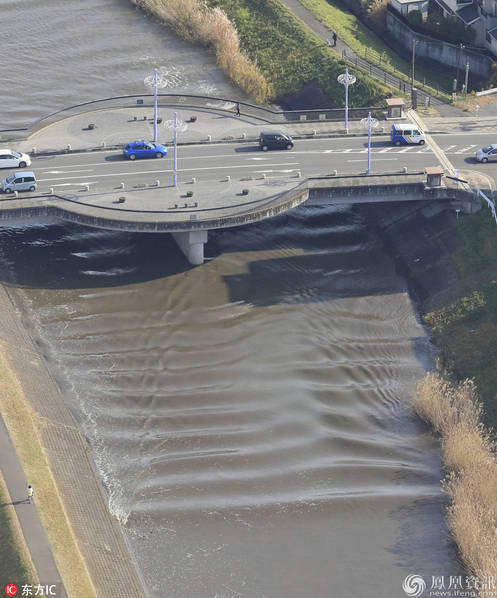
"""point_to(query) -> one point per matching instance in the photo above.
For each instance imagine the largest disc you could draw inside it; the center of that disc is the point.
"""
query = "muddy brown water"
(249, 418)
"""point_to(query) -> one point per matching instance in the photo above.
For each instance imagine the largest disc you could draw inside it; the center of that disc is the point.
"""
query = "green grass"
(290, 56)
(15, 562)
(466, 330)
(368, 45)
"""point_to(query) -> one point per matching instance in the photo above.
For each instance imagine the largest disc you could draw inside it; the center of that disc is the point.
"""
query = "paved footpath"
(307, 17)
(114, 127)
(31, 527)
(97, 533)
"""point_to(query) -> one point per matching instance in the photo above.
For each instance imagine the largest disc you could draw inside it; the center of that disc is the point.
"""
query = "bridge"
(224, 179)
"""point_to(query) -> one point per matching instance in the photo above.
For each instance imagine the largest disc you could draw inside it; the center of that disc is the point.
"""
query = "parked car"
(487, 154)
(11, 159)
(406, 135)
(274, 140)
(20, 181)
(144, 149)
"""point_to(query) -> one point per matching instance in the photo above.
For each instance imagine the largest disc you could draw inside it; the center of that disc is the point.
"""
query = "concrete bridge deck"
(197, 206)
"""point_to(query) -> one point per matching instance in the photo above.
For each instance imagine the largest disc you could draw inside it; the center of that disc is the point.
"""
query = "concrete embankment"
(87, 544)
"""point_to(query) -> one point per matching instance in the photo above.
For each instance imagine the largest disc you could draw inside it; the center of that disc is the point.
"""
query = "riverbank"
(451, 267)
(289, 59)
(16, 565)
(87, 545)
(468, 453)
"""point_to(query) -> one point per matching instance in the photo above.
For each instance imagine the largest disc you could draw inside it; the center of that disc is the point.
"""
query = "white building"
(404, 7)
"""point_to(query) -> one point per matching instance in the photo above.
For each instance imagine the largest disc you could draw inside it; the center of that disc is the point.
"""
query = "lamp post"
(414, 42)
(369, 123)
(176, 125)
(461, 48)
(346, 80)
(154, 82)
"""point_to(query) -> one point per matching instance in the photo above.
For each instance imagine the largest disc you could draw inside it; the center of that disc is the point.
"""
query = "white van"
(407, 134)
(20, 181)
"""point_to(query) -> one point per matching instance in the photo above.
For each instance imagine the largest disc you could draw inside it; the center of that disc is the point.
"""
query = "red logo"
(11, 589)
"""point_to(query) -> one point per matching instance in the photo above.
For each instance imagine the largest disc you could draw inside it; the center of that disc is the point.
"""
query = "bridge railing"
(189, 101)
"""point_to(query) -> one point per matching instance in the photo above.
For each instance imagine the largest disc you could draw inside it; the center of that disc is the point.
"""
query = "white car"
(11, 159)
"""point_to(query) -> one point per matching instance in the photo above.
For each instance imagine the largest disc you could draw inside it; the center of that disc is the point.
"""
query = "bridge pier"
(192, 244)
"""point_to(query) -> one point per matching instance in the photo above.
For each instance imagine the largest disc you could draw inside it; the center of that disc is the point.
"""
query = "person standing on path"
(237, 109)
(30, 493)
(334, 36)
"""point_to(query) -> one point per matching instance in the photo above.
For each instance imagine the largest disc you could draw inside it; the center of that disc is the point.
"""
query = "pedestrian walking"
(30, 493)
(334, 36)
(237, 109)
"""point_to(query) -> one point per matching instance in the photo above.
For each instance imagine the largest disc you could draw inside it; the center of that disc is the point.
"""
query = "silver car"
(487, 154)
(20, 181)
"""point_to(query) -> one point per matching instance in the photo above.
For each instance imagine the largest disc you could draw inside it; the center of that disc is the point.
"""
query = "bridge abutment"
(192, 244)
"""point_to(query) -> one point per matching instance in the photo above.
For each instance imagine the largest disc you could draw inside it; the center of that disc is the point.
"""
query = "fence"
(375, 65)
(183, 101)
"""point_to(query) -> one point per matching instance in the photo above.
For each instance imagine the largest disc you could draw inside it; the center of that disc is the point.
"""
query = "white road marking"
(290, 170)
(465, 149)
(143, 172)
(376, 160)
(449, 148)
(68, 172)
(406, 149)
(384, 151)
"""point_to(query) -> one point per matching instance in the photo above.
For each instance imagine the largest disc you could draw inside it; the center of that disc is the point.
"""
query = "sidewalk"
(97, 533)
(115, 127)
(31, 527)
(324, 34)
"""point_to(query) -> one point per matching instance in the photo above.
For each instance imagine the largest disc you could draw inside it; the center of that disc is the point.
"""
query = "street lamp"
(154, 82)
(346, 80)
(176, 125)
(461, 48)
(414, 42)
(369, 123)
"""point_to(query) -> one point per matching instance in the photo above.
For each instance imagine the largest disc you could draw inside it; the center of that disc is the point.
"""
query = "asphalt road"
(106, 170)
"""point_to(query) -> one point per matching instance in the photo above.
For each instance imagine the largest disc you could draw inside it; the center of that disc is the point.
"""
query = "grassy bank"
(366, 44)
(21, 424)
(469, 457)
(285, 52)
(466, 330)
(15, 561)
(195, 21)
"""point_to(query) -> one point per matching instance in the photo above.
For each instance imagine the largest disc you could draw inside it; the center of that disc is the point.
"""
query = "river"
(249, 418)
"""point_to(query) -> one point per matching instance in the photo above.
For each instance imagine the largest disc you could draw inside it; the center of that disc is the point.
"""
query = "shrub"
(469, 456)
(449, 29)
(195, 21)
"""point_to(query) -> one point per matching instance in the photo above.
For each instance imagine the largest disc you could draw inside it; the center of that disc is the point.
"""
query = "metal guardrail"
(184, 101)
(391, 79)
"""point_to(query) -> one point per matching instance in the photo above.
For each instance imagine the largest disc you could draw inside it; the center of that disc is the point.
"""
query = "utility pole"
(412, 65)
(466, 77)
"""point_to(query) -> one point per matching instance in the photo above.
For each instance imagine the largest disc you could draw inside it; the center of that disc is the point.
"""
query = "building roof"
(411, 1)
(468, 14)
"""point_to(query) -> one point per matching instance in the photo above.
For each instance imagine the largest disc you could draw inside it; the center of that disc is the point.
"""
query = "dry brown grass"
(23, 429)
(469, 456)
(195, 21)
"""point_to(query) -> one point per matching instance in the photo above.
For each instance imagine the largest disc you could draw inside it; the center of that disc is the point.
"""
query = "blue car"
(144, 149)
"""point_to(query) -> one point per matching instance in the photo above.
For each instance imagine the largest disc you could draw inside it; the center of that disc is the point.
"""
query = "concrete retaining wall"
(442, 52)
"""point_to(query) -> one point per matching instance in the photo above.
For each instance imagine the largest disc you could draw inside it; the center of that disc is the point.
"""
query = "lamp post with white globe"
(154, 82)
(346, 79)
(176, 125)
(369, 123)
